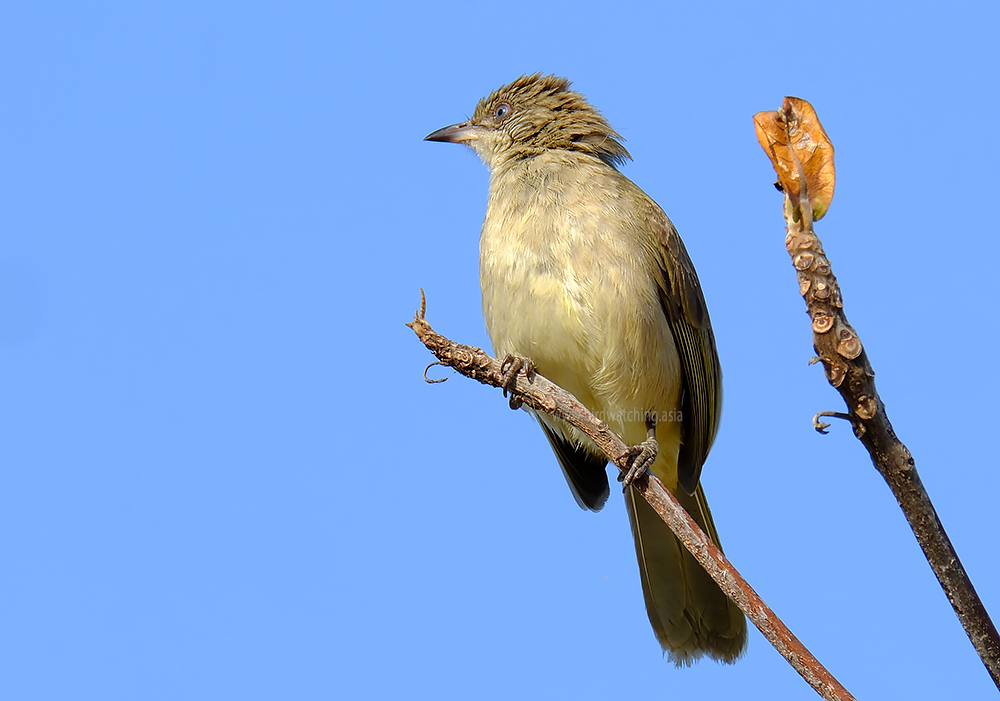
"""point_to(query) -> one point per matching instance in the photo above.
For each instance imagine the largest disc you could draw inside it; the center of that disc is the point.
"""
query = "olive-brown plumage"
(583, 273)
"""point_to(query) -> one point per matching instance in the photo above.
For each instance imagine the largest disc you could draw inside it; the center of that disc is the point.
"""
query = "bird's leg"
(642, 455)
(509, 368)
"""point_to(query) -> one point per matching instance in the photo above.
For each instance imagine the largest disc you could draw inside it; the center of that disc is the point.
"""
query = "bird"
(585, 278)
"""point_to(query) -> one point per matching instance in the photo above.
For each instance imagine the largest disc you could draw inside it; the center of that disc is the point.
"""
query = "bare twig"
(847, 368)
(542, 395)
(820, 426)
(802, 155)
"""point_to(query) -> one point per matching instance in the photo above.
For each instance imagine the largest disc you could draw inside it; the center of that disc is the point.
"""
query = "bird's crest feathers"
(543, 113)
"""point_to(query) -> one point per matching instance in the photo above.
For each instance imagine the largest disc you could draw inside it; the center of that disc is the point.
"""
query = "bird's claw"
(509, 368)
(641, 458)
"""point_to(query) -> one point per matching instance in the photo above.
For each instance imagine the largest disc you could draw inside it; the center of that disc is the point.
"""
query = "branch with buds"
(542, 395)
(802, 155)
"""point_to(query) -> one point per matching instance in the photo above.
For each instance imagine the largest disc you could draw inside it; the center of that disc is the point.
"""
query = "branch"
(797, 144)
(542, 395)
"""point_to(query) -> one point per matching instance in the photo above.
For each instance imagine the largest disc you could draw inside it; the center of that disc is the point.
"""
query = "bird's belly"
(538, 316)
(591, 323)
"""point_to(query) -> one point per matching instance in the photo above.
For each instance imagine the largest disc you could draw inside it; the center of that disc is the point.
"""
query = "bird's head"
(533, 114)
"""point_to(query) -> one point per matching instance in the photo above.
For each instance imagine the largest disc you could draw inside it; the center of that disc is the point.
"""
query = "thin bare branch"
(848, 369)
(802, 155)
(542, 395)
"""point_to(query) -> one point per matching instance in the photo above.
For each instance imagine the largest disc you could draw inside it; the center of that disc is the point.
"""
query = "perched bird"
(583, 274)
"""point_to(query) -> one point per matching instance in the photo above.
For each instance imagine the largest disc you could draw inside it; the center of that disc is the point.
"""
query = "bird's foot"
(641, 457)
(509, 368)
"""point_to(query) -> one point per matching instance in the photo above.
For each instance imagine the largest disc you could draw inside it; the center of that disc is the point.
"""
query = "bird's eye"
(501, 112)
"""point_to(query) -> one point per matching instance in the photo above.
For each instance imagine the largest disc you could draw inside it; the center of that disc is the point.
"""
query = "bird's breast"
(568, 281)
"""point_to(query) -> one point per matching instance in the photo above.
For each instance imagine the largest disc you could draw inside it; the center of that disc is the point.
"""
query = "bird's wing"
(584, 469)
(686, 311)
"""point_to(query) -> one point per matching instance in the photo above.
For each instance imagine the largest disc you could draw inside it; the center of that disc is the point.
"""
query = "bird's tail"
(690, 615)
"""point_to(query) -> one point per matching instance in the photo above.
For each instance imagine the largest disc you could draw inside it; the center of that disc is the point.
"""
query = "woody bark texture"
(542, 395)
(802, 155)
(848, 369)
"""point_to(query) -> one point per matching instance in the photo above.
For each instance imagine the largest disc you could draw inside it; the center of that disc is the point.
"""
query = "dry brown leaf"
(795, 133)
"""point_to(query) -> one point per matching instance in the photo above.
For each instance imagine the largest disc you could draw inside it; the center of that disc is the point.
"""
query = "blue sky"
(222, 474)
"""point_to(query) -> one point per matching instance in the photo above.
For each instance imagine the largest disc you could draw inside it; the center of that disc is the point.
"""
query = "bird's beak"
(456, 133)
